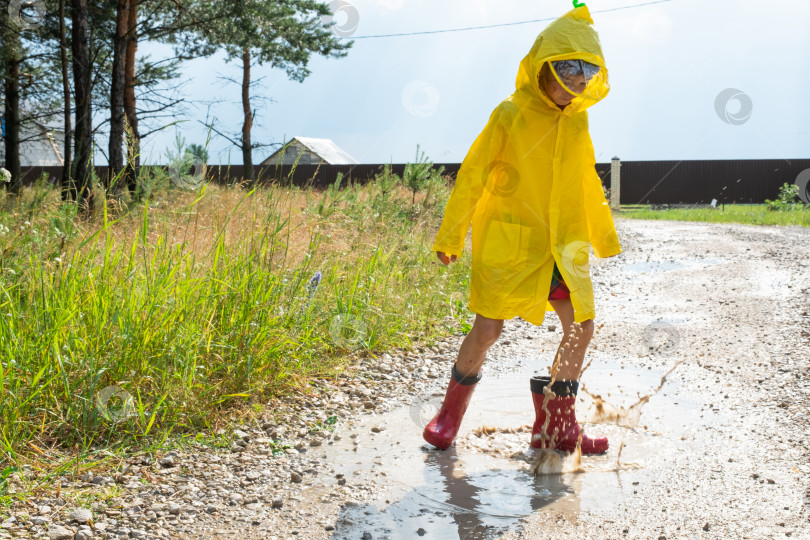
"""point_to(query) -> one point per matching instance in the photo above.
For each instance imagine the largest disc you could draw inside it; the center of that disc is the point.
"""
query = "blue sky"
(667, 65)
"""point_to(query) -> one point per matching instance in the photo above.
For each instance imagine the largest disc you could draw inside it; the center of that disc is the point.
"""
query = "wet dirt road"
(722, 450)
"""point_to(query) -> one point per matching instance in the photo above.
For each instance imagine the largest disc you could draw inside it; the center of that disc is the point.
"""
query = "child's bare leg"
(576, 338)
(441, 431)
(473, 350)
(556, 419)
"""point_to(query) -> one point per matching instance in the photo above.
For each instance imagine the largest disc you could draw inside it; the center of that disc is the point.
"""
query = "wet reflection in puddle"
(484, 485)
(454, 503)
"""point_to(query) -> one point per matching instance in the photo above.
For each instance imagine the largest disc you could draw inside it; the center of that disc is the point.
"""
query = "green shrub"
(787, 200)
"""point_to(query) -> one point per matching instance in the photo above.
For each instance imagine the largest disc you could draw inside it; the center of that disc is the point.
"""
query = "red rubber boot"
(562, 430)
(441, 431)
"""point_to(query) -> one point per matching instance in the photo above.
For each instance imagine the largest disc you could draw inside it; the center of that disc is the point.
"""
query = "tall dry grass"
(155, 319)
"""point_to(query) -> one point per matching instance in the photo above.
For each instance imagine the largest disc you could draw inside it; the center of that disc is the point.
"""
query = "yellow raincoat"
(529, 186)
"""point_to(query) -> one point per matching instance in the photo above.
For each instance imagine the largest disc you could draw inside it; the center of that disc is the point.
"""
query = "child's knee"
(489, 331)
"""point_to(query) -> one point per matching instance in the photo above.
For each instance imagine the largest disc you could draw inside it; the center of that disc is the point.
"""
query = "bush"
(788, 197)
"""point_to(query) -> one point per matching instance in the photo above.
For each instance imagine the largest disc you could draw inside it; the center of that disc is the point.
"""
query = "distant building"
(312, 152)
(40, 145)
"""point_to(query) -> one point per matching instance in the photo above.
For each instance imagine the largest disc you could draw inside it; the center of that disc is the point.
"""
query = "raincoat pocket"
(502, 245)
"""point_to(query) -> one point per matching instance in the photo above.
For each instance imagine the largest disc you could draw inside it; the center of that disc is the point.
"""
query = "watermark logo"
(423, 409)
(741, 115)
(345, 16)
(576, 259)
(27, 14)
(661, 338)
(803, 182)
(187, 175)
(347, 330)
(420, 98)
(501, 179)
(115, 404)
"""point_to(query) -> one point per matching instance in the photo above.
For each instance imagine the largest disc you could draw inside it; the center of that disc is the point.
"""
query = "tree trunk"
(247, 150)
(133, 136)
(81, 85)
(12, 113)
(68, 187)
(117, 80)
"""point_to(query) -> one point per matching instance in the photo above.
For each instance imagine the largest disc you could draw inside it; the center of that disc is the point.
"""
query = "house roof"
(326, 149)
(59, 128)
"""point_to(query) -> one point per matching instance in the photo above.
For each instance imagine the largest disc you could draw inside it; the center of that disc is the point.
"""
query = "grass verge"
(752, 214)
(152, 322)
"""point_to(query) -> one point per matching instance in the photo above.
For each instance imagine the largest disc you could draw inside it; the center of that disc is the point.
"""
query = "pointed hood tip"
(582, 12)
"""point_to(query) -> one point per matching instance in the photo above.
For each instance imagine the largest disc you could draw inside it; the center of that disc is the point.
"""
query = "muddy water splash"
(606, 413)
(550, 462)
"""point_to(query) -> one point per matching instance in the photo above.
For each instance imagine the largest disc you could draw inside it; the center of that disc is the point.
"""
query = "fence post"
(615, 182)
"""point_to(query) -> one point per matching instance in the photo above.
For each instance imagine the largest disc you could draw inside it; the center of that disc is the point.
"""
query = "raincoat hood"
(571, 36)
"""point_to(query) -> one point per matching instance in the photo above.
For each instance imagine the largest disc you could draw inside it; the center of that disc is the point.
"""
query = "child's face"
(560, 95)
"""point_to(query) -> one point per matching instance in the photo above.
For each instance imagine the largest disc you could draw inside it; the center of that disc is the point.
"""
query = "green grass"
(196, 305)
(755, 214)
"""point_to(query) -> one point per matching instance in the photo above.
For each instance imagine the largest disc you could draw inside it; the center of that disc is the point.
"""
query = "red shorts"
(559, 290)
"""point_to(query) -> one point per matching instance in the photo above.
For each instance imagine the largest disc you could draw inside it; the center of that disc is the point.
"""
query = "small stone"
(706, 526)
(341, 482)
(83, 535)
(80, 515)
(421, 532)
(368, 404)
(241, 435)
(329, 528)
(211, 509)
(377, 429)
(277, 503)
(174, 509)
(366, 536)
(296, 478)
(57, 532)
(167, 461)
(236, 448)
(552, 327)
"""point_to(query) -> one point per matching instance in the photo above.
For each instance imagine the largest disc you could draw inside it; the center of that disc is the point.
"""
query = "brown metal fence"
(642, 182)
(698, 182)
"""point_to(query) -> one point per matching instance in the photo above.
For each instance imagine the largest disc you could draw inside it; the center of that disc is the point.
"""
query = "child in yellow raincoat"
(529, 187)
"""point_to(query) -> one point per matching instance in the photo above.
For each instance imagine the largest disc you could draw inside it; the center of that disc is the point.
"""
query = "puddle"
(484, 485)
